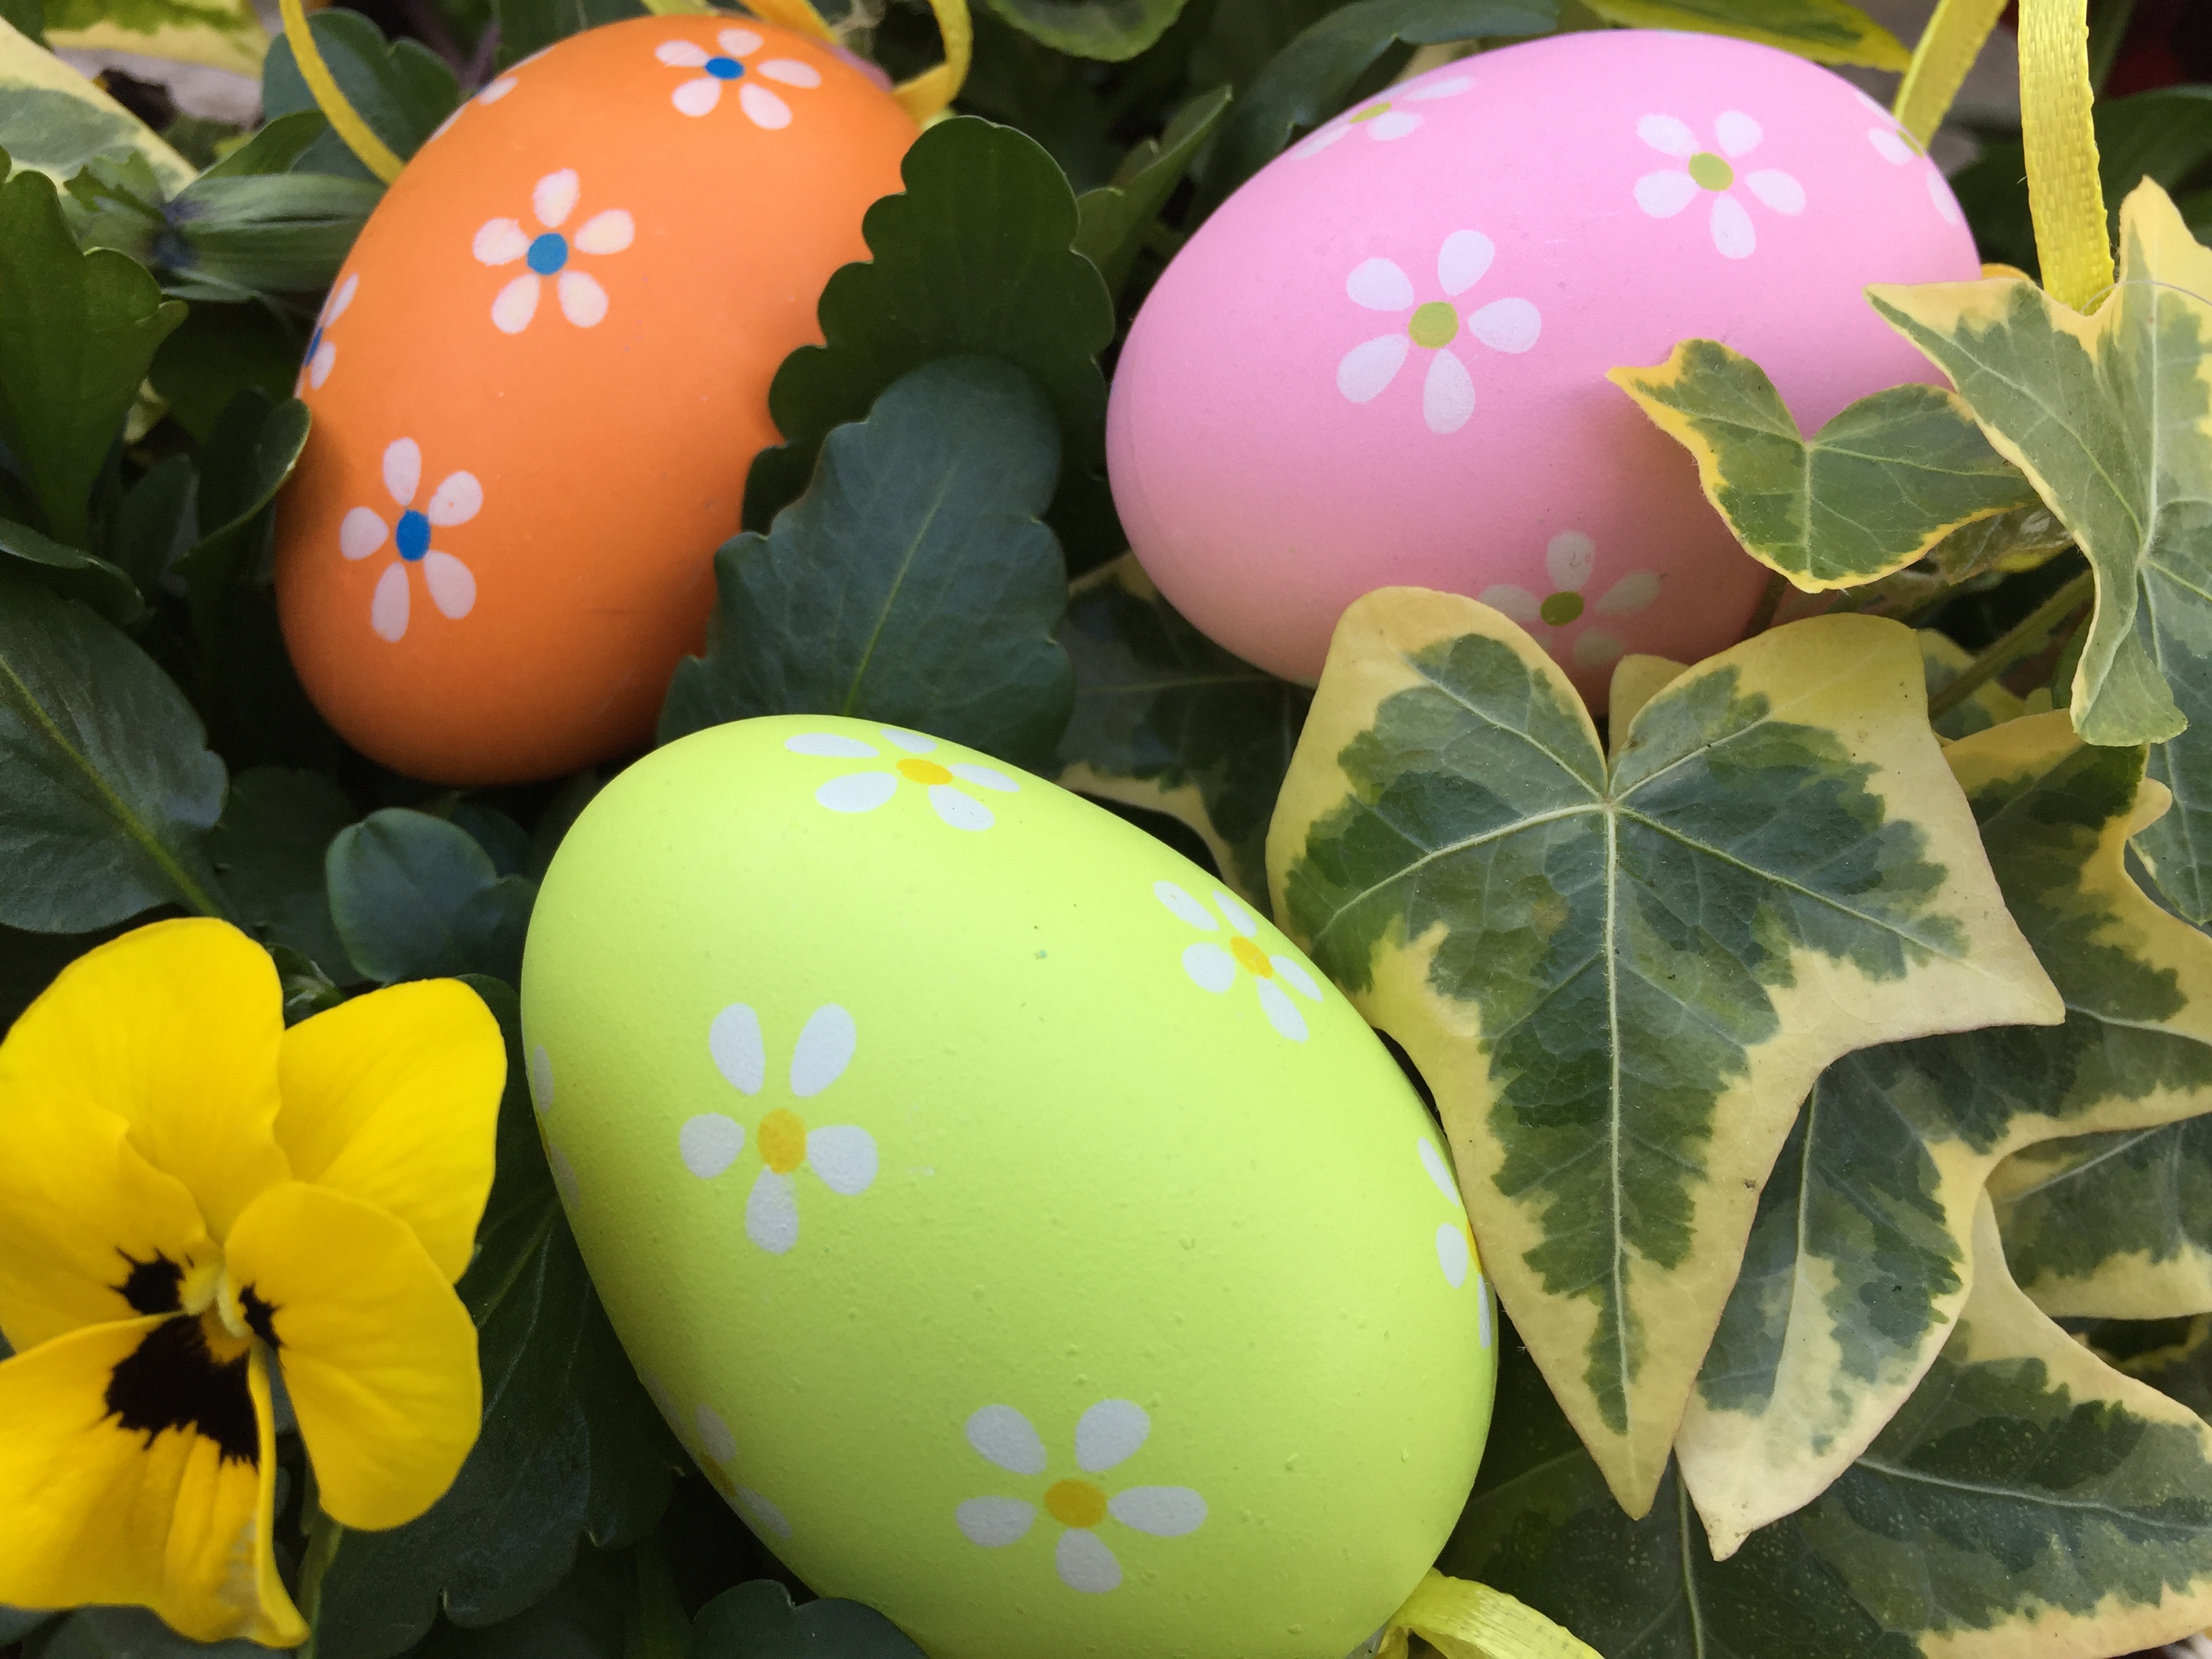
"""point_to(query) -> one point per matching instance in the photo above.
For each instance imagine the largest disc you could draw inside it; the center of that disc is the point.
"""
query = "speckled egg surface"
(1383, 360)
(1018, 1230)
(540, 380)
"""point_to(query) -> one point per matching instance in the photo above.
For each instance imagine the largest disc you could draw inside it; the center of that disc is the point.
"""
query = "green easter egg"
(1020, 1232)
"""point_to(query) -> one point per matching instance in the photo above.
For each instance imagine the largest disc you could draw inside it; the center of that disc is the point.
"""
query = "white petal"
(1569, 558)
(961, 811)
(825, 1048)
(1380, 286)
(1507, 324)
(1447, 393)
(1779, 191)
(541, 1079)
(497, 89)
(1292, 974)
(1889, 143)
(1003, 1436)
(791, 72)
(734, 1040)
(1440, 1172)
(984, 778)
(1322, 138)
(1452, 1254)
(844, 1156)
(1939, 192)
(681, 54)
(1630, 594)
(857, 791)
(606, 232)
(772, 1213)
(764, 108)
(1109, 1433)
(1598, 649)
(715, 1437)
(912, 742)
(1085, 1564)
(1397, 124)
(583, 302)
(1667, 135)
(341, 297)
(452, 588)
(325, 359)
(995, 1523)
(1738, 133)
(456, 500)
(1464, 257)
(1210, 967)
(764, 1516)
(403, 470)
(361, 532)
(1451, 87)
(697, 97)
(1732, 229)
(1183, 907)
(1367, 369)
(1482, 1304)
(710, 1143)
(1282, 1013)
(1517, 602)
(739, 43)
(829, 745)
(554, 197)
(1163, 1511)
(1239, 918)
(500, 242)
(515, 305)
(564, 1176)
(387, 611)
(1664, 195)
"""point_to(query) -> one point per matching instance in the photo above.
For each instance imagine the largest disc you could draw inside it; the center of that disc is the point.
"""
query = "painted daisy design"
(1106, 1437)
(841, 1156)
(763, 106)
(1217, 967)
(1454, 1239)
(1713, 173)
(322, 350)
(1435, 327)
(458, 499)
(716, 1452)
(490, 92)
(1900, 149)
(1570, 560)
(864, 792)
(1384, 118)
(547, 255)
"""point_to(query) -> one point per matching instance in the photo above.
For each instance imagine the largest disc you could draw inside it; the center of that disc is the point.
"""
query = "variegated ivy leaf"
(54, 120)
(1856, 1265)
(2113, 1226)
(1884, 482)
(2007, 543)
(1826, 30)
(1987, 705)
(1620, 980)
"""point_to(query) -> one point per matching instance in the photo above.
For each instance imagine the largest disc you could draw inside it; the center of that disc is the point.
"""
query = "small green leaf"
(77, 332)
(54, 120)
(526, 27)
(912, 583)
(1116, 217)
(272, 233)
(1167, 720)
(1825, 31)
(152, 527)
(1879, 485)
(107, 788)
(268, 852)
(1987, 705)
(2113, 1226)
(220, 351)
(71, 572)
(757, 1621)
(416, 897)
(1110, 30)
(1621, 980)
(247, 458)
(402, 89)
(274, 148)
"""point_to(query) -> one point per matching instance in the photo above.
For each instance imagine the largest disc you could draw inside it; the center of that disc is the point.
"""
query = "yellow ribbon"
(1948, 48)
(2064, 189)
(322, 86)
(1462, 1620)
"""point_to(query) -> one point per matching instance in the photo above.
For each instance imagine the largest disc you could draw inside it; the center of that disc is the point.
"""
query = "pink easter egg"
(1383, 360)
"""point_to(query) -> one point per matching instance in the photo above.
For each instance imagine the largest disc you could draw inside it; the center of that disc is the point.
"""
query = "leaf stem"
(2022, 641)
(1770, 601)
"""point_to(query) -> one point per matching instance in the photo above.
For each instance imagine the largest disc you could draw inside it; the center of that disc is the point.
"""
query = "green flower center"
(1560, 609)
(1434, 325)
(1370, 113)
(1711, 171)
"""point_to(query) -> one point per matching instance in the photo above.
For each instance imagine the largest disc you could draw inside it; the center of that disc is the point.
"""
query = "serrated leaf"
(1109, 30)
(757, 1621)
(268, 850)
(1167, 720)
(54, 120)
(1856, 1263)
(413, 896)
(571, 1449)
(1825, 31)
(402, 89)
(1884, 482)
(71, 572)
(975, 257)
(912, 584)
(1116, 216)
(1988, 704)
(2113, 1226)
(2028, 1499)
(1620, 980)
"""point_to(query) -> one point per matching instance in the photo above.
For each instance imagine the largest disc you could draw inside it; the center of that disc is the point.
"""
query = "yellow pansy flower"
(191, 1193)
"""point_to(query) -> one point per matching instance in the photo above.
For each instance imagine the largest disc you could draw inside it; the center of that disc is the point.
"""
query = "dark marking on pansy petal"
(260, 1317)
(173, 1381)
(153, 1287)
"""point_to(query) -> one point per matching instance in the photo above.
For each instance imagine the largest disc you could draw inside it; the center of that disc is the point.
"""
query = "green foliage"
(531, 26)
(1111, 29)
(1115, 217)
(401, 88)
(757, 1621)
(1826, 30)
(413, 896)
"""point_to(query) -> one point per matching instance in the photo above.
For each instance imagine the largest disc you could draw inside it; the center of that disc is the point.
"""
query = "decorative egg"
(1014, 1225)
(1382, 359)
(542, 375)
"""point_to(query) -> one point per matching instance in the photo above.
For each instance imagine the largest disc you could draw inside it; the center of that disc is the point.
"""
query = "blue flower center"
(548, 253)
(413, 535)
(314, 343)
(725, 69)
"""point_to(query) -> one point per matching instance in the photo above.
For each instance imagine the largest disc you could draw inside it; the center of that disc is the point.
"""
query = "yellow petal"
(394, 1098)
(136, 1467)
(377, 1354)
(173, 1028)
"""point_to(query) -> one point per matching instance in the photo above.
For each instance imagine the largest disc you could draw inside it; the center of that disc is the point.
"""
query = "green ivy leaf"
(71, 572)
(1110, 30)
(758, 1621)
(54, 120)
(1882, 483)
(2023, 539)
(1620, 980)
(268, 850)
(77, 333)
(402, 89)
(912, 583)
(526, 27)
(1116, 217)
(1825, 31)
(572, 1448)
(416, 897)
(1167, 720)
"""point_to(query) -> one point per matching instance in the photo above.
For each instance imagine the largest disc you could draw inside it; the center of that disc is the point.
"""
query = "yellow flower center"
(1370, 113)
(1251, 959)
(923, 771)
(1711, 171)
(1434, 325)
(1560, 609)
(1075, 1504)
(783, 1139)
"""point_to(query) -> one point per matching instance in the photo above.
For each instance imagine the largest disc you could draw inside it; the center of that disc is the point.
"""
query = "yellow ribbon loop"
(1463, 1621)
(1948, 48)
(322, 86)
(2064, 189)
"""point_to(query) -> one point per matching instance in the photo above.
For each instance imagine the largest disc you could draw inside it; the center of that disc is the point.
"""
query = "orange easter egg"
(540, 378)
